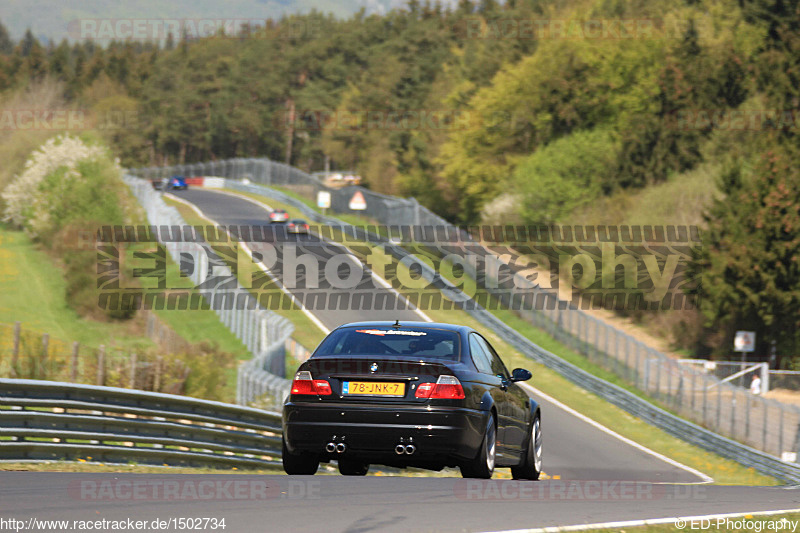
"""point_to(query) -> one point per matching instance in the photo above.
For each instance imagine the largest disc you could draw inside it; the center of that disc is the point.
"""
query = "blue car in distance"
(173, 183)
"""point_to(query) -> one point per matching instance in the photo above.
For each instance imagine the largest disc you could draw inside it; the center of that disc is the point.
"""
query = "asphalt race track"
(347, 504)
(593, 477)
(233, 211)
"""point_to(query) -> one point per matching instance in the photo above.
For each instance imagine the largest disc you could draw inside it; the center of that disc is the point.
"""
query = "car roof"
(408, 324)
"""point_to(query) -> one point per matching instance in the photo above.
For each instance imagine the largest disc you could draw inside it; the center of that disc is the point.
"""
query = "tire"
(482, 467)
(352, 467)
(300, 464)
(531, 466)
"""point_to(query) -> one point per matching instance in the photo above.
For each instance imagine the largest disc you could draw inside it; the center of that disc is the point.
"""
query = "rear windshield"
(423, 342)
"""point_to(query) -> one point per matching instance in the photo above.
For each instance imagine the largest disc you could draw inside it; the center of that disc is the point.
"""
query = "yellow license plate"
(373, 388)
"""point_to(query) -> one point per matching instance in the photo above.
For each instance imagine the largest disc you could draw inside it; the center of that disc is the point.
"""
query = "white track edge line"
(645, 522)
(706, 478)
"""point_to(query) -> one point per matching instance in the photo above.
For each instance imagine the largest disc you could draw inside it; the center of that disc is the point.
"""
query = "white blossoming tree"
(48, 191)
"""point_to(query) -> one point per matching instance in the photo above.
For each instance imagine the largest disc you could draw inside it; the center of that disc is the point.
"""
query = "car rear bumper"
(441, 434)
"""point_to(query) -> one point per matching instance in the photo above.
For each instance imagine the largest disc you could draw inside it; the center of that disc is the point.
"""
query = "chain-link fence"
(263, 332)
(785, 379)
(385, 209)
(767, 425)
(736, 373)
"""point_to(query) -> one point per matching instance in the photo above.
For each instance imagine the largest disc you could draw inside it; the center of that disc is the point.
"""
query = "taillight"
(445, 388)
(424, 390)
(323, 387)
(304, 384)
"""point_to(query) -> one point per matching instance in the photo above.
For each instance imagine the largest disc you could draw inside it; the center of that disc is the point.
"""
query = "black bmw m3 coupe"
(410, 394)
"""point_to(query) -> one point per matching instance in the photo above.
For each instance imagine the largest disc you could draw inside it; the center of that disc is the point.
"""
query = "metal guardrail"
(41, 420)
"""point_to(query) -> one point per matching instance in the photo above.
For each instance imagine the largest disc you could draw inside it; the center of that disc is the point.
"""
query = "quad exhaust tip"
(409, 449)
(330, 447)
(341, 447)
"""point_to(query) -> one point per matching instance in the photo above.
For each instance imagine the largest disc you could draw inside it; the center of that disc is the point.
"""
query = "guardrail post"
(73, 373)
(15, 349)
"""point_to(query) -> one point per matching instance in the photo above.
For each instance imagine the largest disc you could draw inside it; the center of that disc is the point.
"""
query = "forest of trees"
(460, 108)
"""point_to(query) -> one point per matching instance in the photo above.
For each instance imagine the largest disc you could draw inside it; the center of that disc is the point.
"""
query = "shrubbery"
(565, 175)
(69, 186)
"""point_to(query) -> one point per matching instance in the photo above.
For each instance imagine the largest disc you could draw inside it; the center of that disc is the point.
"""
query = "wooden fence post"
(15, 351)
(73, 374)
(157, 376)
(45, 346)
(101, 364)
(133, 370)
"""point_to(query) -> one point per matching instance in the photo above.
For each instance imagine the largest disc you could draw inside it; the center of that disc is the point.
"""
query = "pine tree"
(749, 265)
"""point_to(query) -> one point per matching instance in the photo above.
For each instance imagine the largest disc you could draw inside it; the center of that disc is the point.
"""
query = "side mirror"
(520, 374)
